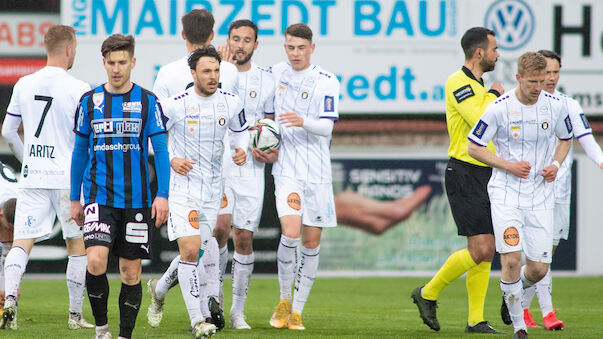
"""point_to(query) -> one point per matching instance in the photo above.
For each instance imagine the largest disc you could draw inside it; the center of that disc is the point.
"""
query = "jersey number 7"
(46, 109)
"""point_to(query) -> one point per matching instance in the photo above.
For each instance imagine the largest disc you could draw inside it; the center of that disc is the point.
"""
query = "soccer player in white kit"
(244, 185)
(583, 133)
(173, 78)
(8, 200)
(523, 124)
(45, 102)
(198, 120)
(306, 106)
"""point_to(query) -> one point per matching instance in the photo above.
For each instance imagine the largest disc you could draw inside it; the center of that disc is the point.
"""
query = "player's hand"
(225, 53)
(498, 87)
(550, 173)
(240, 156)
(290, 119)
(77, 212)
(160, 210)
(601, 166)
(270, 156)
(182, 165)
(520, 169)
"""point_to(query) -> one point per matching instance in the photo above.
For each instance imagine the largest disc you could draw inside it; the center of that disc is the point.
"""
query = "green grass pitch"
(337, 308)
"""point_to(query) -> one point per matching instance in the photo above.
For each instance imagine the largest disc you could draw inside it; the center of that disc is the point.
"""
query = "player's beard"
(245, 59)
(487, 65)
(205, 92)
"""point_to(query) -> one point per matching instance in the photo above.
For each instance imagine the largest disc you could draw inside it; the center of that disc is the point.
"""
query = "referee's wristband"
(556, 164)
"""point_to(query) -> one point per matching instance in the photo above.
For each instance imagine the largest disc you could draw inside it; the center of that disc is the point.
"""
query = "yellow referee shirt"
(466, 101)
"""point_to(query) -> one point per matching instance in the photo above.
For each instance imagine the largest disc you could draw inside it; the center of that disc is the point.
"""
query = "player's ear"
(517, 76)
(183, 35)
(133, 62)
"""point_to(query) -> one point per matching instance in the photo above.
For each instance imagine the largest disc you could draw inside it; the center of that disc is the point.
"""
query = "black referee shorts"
(467, 190)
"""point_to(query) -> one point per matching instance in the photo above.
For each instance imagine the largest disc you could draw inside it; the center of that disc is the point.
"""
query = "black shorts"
(467, 190)
(125, 231)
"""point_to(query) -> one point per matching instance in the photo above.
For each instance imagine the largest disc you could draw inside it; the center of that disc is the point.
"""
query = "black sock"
(98, 294)
(129, 304)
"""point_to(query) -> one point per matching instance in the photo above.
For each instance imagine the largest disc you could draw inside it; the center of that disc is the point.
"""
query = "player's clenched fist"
(181, 165)
(520, 169)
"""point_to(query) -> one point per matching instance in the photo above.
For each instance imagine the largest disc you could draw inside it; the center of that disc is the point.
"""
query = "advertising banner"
(22, 34)
(390, 56)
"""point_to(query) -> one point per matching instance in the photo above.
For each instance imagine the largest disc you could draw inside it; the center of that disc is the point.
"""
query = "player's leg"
(34, 218)
(130, 295)
(481, 249)
(188, 276)
(222, 232)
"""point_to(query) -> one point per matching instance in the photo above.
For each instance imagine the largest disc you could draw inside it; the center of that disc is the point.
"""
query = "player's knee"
(97, 265)
(189, 254)
(310, 243)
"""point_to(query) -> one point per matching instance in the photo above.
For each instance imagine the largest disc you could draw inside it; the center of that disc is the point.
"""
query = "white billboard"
(391, 56)
(22, 34)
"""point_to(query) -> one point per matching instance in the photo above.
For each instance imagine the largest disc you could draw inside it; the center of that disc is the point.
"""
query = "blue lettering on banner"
(99, 8)
(258, 17)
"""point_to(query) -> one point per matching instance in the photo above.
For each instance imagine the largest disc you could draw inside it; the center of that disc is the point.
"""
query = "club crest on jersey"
(329, 103)
(515, 132)
(131, 106)
(97, 99)
(253, 94)
(222, 121)
(304, 95)
(544, 125)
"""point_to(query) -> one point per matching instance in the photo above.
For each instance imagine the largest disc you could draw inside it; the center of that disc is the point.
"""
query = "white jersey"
(256, 87)
(527, 133)
(196, 128)
(312, 94)
(46, 102)
(8, 184)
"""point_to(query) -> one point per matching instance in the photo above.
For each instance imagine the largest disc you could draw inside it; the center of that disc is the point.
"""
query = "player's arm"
(157, 133)
(10, 129)
(469, 105)
(563, 131)
(584, 133)
(79, 159)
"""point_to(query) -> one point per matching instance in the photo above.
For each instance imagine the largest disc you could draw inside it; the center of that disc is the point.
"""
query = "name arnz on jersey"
(41, 151)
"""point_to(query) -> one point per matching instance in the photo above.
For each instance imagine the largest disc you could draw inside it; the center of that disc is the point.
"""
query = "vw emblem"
(512, 21)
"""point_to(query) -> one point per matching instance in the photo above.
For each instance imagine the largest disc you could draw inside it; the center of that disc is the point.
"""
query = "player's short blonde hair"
(57, 37)
(531, 62)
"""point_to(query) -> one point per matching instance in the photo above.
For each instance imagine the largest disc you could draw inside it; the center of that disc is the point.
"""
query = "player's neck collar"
(468, 73)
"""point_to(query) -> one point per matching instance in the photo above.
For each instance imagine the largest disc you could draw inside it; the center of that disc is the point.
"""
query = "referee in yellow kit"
(466, 182)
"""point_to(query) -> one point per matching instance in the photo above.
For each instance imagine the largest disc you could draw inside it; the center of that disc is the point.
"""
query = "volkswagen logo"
(512, 21)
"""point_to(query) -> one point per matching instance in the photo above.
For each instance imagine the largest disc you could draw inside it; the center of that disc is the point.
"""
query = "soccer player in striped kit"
(115, 122)
(524, 125)
(306, 106)
(45, 102)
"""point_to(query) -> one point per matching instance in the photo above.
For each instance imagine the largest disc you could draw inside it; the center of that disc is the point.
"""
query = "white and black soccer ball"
(264, 134)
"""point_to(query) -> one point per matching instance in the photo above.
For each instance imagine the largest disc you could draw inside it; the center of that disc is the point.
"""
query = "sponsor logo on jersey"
(513, 22)
(191, 110)
(242, 119)
(117, 147)
(224, 201)
(96, 226)
(131, 106)
(463, 93)
(25, 171)
(515, 131)
(568, 124)
(91, 213)
(511, 236)
(30, 221)
(193, 219)
(480, 129)
(192, 124)
(117, 127)
(584, 121)
(159, 117)
(329, 103)
(41, 151)
(294, 201)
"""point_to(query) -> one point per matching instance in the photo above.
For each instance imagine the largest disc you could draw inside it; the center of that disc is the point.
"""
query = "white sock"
(222, 266)
(211, 260)
(189, 285)
(242, 267)
(525, 282)
(286, 257)
(76, 282)
(203, 300)
(543, 291)
(512, 293)
(14, 267)
(528, 295)
(168, 279)
(305, 277)
(4, 248)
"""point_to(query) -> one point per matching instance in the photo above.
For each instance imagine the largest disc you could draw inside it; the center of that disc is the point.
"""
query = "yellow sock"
(477, 285)
(458, 263)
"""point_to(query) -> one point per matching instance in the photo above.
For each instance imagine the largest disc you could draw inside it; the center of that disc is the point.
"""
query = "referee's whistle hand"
(159, 211)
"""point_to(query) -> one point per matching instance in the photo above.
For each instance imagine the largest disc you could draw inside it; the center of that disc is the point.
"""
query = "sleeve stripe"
(582, 135)
(243, 130)
(477, 143)
(80, 133)
(160, 132)
(14, 115)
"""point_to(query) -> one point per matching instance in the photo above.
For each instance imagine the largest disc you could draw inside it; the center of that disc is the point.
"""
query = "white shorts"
(562, 223)
(245, 202)
(37, 209)
(313, 202)
(518, 229)
(190, 217)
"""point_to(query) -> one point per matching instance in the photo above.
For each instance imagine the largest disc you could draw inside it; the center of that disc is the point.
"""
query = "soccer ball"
(264, 134)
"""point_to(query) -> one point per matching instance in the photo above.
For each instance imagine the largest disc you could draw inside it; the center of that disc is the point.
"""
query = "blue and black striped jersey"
(118, 128)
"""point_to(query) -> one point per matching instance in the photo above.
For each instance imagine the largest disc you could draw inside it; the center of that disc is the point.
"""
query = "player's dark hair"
(209, 51)
(474, 38)
(551, 55)
(243, 23)
(58, 36)
(118, 42)
(299, 30)
(531, 62)
(197, 26)
(8, 209)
